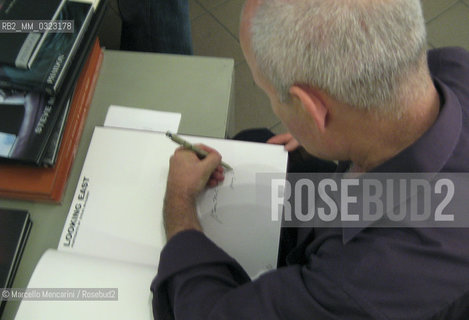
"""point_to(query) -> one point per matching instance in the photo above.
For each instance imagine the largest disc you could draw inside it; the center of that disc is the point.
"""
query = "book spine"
(57, 74)
(55, 140)
(82, 97)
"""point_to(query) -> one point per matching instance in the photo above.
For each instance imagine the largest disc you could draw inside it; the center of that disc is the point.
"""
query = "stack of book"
(49, 64)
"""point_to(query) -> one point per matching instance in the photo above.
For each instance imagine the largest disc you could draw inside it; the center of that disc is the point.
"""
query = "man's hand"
(188, 176)
(286, 139)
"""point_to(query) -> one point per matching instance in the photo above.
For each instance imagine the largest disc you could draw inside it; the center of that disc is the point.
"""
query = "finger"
(292, 145)
(212, 183)
(182, 154)
(206, 148)
(280, 138)
(219, 176)
(180, 149)
(211, 162)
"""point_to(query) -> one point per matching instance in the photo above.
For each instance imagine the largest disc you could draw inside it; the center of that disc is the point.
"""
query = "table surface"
(200, 88)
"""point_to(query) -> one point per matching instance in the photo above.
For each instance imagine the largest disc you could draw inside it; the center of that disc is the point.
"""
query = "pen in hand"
(187, 145)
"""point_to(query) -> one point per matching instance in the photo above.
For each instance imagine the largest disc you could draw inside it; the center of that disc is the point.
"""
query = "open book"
(113, 233)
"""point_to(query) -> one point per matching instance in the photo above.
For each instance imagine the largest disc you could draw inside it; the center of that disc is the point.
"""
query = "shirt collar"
(431, 151)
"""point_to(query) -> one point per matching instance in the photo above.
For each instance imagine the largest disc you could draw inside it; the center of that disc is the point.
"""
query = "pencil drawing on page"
(238, 213)
(212, 197)
(237, 193)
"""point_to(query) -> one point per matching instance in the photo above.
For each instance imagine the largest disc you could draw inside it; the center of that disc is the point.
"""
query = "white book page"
(142, 119)
(58, 269)
(117, 207)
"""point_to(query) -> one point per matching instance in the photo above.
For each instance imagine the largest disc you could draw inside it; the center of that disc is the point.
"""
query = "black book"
(26, 122)
(25, 136)
(81, 56)
(54, 57)
(19, 49)
(53, 146)
(15, 226)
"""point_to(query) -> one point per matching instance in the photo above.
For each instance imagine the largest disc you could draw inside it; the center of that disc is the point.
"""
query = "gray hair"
(360, 52)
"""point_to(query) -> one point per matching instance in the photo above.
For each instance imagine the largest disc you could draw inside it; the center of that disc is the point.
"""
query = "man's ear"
(312, 104)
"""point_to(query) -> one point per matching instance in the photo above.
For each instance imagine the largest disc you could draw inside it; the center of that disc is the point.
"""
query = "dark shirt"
(368, 273)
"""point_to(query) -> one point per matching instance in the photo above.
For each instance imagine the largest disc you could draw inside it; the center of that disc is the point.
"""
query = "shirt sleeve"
(198, 280)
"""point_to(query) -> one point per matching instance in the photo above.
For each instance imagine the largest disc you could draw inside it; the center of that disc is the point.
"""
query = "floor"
(215, 26)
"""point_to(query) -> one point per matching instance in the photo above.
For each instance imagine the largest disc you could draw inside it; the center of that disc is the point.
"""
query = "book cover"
(26, 122)
(48, 184)
(55, 55)
(14, 231)
(19, 49)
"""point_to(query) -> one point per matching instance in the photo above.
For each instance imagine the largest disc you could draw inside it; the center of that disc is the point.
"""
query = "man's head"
(368, 55)
(358, 51)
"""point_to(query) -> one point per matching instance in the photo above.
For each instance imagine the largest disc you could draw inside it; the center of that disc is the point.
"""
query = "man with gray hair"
(352, 81)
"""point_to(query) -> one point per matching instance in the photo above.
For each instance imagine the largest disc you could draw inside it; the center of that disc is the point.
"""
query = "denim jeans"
(156, 26)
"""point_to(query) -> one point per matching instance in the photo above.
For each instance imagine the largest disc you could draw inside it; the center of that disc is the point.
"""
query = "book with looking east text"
(114, 226)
